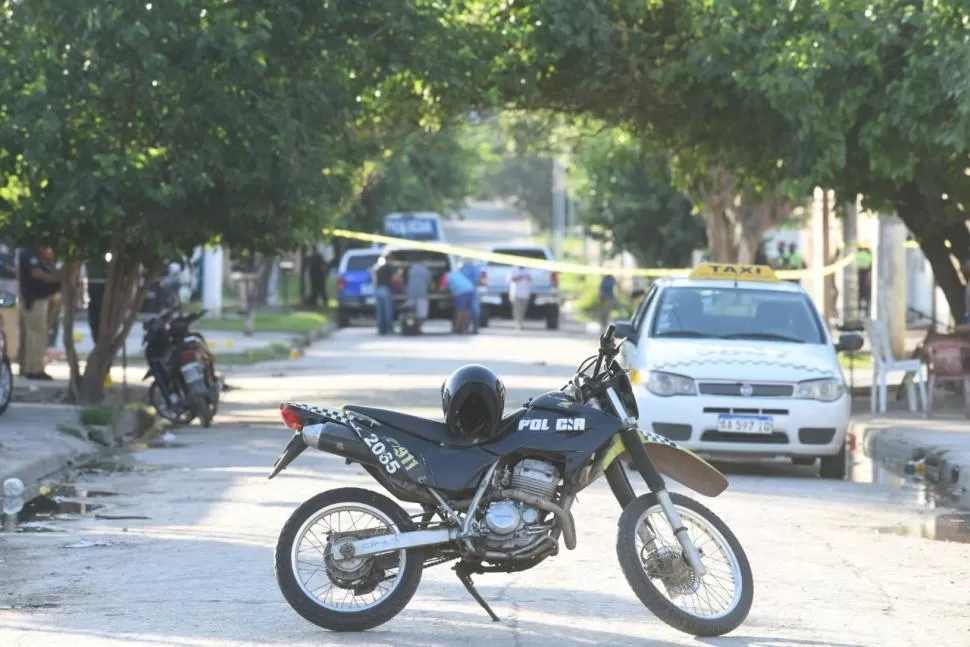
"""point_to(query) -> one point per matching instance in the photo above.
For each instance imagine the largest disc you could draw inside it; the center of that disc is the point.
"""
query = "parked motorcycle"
(183, 368)
(504, 506)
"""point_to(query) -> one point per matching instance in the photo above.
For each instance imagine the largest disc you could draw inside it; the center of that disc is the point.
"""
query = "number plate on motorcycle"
(192, 372)
(730, 424)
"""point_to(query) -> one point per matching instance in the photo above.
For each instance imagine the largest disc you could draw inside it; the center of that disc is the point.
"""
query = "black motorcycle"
(183, 368)
(504, 506)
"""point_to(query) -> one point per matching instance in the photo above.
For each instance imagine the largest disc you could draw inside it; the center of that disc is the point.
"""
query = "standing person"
(384, 295)
(781, 260)
(863, 261)
(607, 299)
(97, 269)
(761, 255)
(462, 290)
(316, 268)
(38, 282)
(795, 261)
(520, 289)
(473, 272)
(418, 289)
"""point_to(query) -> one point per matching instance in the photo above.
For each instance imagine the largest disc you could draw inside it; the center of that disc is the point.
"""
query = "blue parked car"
(355, 290)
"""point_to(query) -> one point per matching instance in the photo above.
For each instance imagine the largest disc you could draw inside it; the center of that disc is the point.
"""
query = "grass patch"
(861, 360)
(274, 352)
(300, 322)
(104, 415)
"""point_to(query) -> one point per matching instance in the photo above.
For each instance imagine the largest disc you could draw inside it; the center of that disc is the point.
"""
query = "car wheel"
(6, 385)
(552, 318)
(343, 318)
(834, 467)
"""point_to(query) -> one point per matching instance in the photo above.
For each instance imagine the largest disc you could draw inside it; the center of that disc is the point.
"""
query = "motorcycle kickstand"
(464, 574)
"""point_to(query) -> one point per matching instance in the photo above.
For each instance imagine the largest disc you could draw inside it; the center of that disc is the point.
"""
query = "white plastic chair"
(884, 364)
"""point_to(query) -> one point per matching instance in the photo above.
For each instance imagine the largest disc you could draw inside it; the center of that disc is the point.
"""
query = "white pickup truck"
(545, 300)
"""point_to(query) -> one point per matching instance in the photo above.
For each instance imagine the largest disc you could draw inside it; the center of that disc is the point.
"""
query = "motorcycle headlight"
(825, 390)
(668, 384)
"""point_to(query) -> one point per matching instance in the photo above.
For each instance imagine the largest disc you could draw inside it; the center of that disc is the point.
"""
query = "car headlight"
(825, 390)
(668, 384)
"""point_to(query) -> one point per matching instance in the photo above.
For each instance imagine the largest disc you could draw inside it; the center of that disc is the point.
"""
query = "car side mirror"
(623, 330)
(7, 299)
(849, 342)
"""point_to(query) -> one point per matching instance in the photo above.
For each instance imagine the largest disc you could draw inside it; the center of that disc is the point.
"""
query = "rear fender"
(679, 463)
(379, 449)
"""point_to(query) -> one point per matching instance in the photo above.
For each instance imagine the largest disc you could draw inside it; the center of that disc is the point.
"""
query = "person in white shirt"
(520, 289)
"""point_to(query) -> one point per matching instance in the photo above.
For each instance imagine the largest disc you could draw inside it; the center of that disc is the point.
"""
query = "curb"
(905, 452)
(300, 343)
(82, 451)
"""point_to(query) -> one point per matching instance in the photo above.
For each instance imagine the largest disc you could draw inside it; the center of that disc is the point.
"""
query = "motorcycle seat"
(433, 431)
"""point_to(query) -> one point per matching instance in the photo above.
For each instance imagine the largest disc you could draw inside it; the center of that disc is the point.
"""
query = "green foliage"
(866, 97)
(629, 201)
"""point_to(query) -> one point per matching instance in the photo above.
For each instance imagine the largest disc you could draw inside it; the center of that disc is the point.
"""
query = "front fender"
(679, 463)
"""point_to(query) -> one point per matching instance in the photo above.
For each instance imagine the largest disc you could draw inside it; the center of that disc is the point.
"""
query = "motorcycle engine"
(513, 525)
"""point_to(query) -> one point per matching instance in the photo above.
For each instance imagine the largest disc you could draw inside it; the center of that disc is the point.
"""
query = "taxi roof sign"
(733, 272)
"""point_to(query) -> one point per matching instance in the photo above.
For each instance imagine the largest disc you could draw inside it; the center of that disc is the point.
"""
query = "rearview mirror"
(623, 330)
(849, 342)
(7, 299)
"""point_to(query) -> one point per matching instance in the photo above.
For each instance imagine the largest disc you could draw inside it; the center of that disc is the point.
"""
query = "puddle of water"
(951, 527)
(45, 507)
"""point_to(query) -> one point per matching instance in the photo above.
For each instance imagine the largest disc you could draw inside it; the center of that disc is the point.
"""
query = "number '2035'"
(387, 456)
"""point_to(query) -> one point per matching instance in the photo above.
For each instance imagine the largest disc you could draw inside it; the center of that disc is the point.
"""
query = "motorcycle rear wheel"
(157, 400)
(301, 595)
(658, 573)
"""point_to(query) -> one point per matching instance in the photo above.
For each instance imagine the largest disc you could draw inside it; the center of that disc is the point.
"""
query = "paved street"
(835, 563)
(198, 571)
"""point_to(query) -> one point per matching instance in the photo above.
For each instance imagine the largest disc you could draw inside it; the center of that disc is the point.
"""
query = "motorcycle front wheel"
(346, 594)
(655, 567)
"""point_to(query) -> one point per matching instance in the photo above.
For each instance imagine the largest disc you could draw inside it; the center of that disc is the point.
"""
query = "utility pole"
(558, 206)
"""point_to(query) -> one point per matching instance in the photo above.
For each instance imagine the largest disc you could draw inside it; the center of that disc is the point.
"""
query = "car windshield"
(524, 253)
(362, 262)
(737, 313)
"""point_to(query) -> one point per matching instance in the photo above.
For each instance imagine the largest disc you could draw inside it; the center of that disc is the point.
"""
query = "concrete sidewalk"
(32, 447)
(219, 342)
(898, 442)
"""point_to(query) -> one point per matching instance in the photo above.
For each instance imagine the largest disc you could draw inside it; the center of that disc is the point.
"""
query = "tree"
(144, 130)
(627, 195)
(866, 98)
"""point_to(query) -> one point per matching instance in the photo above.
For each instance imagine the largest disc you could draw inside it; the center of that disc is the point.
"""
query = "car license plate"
(367, 288)
(369, 301)
(745, 424)
(192, 372)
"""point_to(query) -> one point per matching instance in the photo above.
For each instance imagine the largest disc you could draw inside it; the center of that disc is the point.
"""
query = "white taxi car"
(732, 362)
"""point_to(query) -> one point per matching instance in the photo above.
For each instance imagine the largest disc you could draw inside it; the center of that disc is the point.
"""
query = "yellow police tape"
(562, 266)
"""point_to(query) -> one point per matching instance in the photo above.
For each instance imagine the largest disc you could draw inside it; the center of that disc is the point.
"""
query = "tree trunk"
(912, 209)
(124, 292)
(69, 292)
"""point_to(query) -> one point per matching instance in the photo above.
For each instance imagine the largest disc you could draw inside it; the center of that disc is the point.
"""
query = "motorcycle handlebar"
(607, 348)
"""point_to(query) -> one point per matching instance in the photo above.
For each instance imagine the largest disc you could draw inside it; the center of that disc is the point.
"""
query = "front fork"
(633, 442)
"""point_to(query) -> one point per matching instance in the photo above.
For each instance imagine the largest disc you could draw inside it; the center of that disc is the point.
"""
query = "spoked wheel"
(179, 416)
(652, 561)
(345, 594)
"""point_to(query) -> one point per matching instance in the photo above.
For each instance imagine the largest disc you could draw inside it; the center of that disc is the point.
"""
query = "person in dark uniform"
(97, 269)
(384, 274)
(317, 269)
(38, 283)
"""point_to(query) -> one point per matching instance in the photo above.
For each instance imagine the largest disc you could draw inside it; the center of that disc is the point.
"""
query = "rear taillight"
(554, 277)
(291, 417)
(341, 284)
(483, 279)
(186, 356)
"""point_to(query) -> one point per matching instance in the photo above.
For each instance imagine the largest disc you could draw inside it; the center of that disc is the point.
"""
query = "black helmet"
(472, 400)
